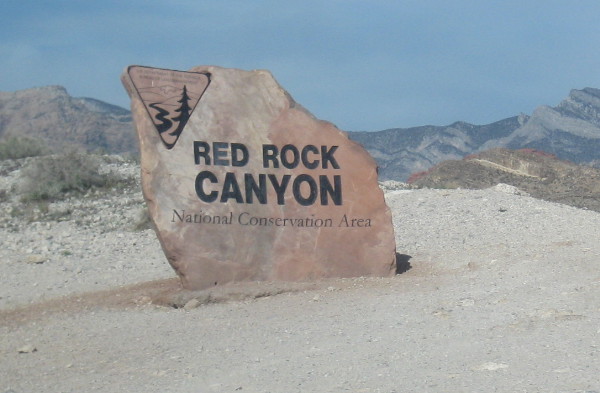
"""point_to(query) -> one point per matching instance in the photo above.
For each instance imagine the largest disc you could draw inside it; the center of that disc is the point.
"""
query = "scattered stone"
(491, 366)
(143, 300)
(36, 259)
(509, 189)
(467, 302)
(191, 304)
(394, 185)
(27, 349)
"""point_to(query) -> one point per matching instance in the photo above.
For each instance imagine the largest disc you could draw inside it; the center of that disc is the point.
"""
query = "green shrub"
(50, 177)
(20, 147)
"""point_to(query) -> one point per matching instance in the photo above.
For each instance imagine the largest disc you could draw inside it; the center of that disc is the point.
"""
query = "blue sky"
(363, 65)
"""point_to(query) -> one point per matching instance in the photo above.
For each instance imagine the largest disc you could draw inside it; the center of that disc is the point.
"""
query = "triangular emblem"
(169, 96)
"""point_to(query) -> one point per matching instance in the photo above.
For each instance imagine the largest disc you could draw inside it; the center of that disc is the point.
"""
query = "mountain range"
(570, 131)
(63, 122)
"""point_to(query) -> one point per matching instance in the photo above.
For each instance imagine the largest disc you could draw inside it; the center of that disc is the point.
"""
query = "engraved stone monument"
(243, 184)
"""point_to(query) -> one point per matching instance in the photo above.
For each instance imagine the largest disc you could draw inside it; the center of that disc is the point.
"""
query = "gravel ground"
(83, 243)
(500, 293)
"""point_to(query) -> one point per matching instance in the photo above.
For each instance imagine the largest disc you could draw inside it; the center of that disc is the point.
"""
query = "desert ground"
(496, 292)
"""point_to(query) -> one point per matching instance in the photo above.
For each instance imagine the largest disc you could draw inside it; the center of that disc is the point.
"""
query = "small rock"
(36, 259)
(27, 349)
(467, 302)
(509, 189)
(491, 366)
(191, 304)
(143, 300)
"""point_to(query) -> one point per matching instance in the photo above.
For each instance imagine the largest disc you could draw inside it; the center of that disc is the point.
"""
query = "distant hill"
(51, 115)
(403, 151)
(571, 131)
(540, 174)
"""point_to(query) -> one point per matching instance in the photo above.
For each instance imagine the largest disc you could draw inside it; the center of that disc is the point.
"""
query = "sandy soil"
(499, 293)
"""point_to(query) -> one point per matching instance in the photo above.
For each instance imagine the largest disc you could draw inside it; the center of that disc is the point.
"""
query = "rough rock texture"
(331, 220)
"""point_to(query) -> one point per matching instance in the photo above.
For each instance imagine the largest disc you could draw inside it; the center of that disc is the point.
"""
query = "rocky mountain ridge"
(571, 131)
(401, 152)
(63, 122)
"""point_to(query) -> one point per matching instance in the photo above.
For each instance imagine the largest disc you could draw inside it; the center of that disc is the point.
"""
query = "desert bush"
(131, 157)
(143, 220)
(20, 147)
(50, 177)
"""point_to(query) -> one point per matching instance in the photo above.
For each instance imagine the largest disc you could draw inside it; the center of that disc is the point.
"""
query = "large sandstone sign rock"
(243, 184)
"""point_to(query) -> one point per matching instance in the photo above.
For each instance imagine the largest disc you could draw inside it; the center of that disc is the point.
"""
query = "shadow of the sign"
(402, 263)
